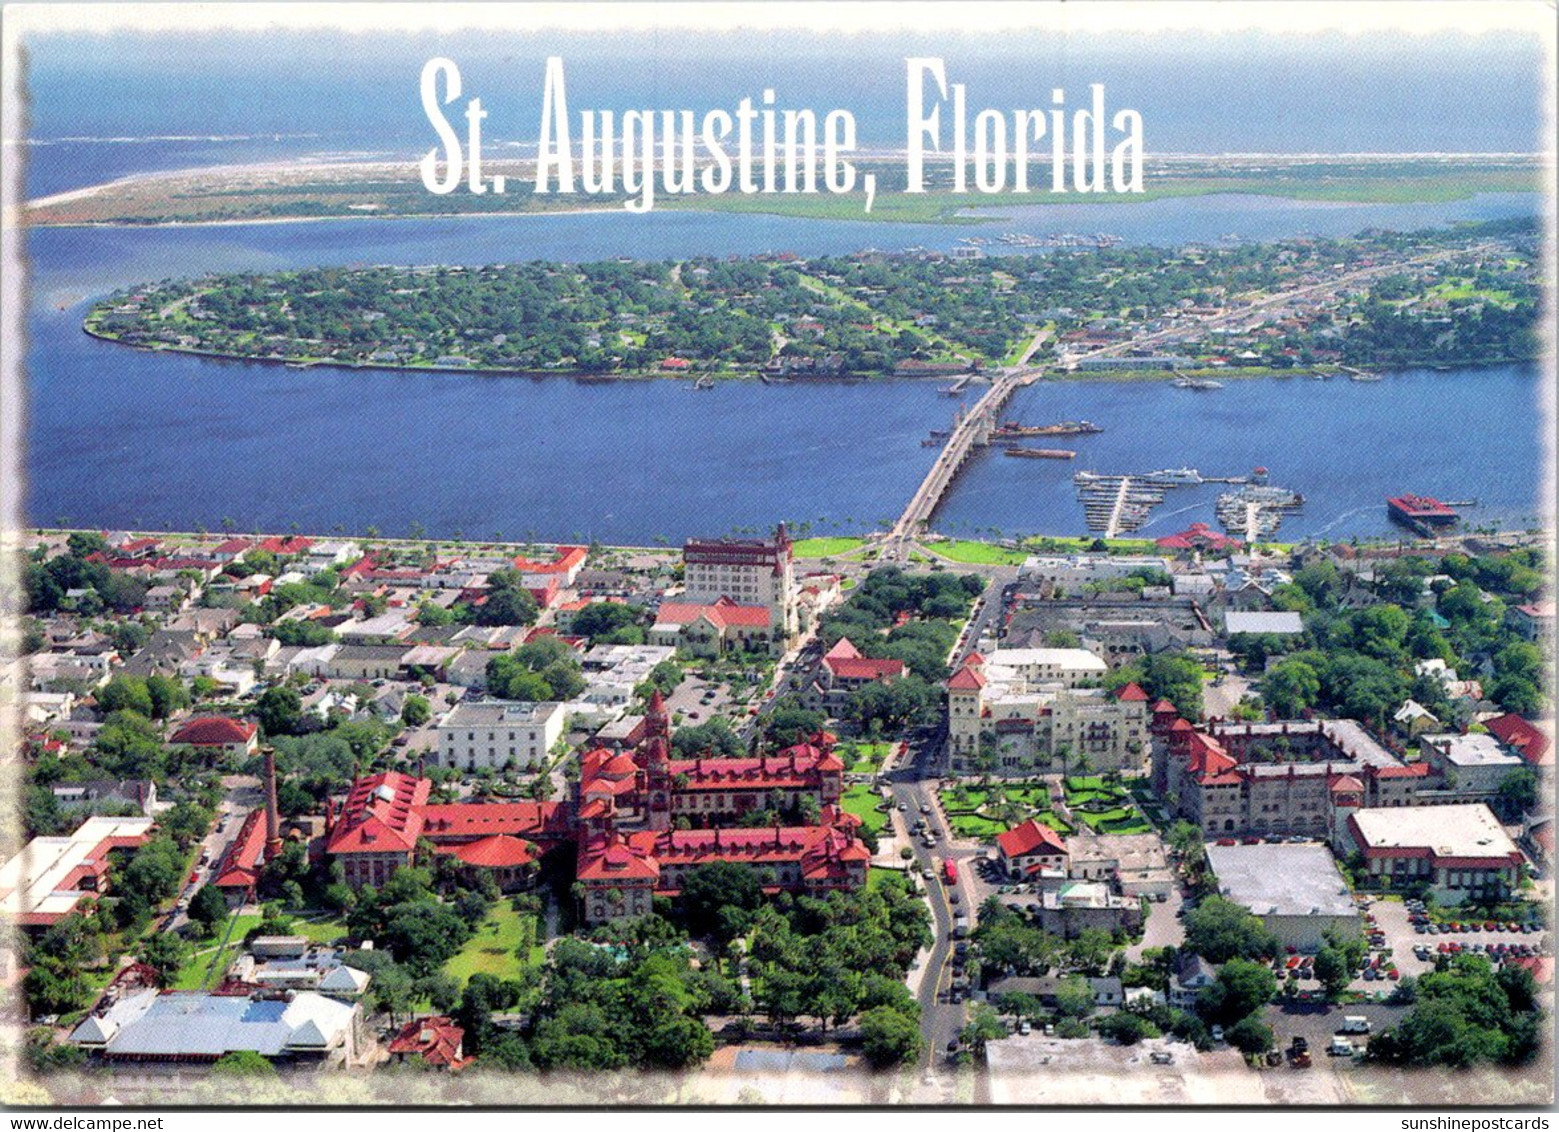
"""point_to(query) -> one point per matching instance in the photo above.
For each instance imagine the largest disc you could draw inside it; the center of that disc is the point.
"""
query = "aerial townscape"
(767, 818)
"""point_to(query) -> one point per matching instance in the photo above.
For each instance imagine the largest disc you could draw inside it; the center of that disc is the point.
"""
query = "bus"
(949, 872)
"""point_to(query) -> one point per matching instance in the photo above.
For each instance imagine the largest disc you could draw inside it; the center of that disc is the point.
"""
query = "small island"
(1462, 295)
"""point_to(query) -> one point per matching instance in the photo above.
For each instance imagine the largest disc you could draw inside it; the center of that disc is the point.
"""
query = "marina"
(1256, 510)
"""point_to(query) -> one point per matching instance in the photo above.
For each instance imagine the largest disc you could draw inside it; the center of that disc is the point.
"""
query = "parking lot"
(1414, 951)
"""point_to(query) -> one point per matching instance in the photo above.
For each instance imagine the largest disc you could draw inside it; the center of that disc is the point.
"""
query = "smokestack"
(272, 820)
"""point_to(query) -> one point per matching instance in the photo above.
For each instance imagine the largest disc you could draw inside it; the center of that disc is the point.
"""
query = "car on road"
(1161, 1057)
(1025, 1027)
(903, 807)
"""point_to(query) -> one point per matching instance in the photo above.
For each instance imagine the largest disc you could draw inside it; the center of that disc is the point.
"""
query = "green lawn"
(862, 800)
(493, 950)
(326, 930)
(826, 547)
(864, 758)
(877, 876)
(192, 975)
(1104, 808)
(977, 553)
(968, 809)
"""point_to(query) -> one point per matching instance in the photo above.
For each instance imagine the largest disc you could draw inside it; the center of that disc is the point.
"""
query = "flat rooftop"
(1467, 831)
(39, 879)
(1282, 880)
(1473, 750)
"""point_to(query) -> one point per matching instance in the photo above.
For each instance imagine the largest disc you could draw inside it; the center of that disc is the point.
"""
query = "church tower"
(657, 764)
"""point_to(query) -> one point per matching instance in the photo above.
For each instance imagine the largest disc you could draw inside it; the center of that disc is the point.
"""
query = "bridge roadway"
(972, 431)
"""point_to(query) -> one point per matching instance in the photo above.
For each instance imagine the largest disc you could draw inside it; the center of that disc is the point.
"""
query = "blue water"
(121, 437)
(1346, 446)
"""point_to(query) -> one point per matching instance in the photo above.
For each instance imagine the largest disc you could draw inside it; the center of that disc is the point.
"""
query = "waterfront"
(120, 437)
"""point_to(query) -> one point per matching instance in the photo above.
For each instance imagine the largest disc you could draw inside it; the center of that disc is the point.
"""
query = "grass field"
(192, 975)
(493, 950)
(862, 800)
(864, 758)
(320, 930)
(976, 553)
(826, 547)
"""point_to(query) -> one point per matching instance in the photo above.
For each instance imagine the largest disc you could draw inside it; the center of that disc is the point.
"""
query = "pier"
(1113, 527)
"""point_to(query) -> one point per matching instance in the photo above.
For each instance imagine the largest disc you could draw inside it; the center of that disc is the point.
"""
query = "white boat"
(1175, 476)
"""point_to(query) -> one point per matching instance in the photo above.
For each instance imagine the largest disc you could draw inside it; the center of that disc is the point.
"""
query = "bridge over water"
(972, 431)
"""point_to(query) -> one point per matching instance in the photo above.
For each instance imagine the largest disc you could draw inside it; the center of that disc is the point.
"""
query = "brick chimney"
(272, 817)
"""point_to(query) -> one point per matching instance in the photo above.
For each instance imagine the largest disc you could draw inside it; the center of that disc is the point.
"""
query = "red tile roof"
(865, 668)
(240, 866)
(966, 679)
(1525, 739)
(1030, 837)
(723, 614)
(568, 557)
(213, 731)
(1132, 693)
(495, 852)
(436, 1040)
(286, 546)
(452, 821)
(382, 814)
(1198, 535)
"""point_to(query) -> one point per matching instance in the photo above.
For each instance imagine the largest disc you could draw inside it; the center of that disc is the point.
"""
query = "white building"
(748, 572)
(1297, 891)
(1070, 571)
(499, 733)
(1031, 701)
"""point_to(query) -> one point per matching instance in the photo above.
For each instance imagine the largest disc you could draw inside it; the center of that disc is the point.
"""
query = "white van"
(1354, 1024)
(1341, 1047)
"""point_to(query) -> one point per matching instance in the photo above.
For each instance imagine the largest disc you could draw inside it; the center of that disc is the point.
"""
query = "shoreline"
(1122, 545)
(587, 378)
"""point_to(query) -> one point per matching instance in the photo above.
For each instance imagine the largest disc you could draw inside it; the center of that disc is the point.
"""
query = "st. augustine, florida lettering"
(761, 147)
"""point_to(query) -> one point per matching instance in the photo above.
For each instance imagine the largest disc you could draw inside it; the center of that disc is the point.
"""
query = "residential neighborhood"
(347, 807)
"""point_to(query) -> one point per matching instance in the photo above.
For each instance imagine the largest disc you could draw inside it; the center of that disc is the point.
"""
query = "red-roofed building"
(844, 669)
(1031, 847)
(1534, 620)
(436, 1040)
(1523, 738)
(1132, 693)
(233, 550)
(239, 868)
(622, 873)
(1295, 777)
(508, 860)
(706, 791)
(285, 547)
(1198, 536)
(560, 572)
(746, 571)
(217, 732)
(377, 828)
(710, 630)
